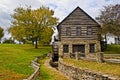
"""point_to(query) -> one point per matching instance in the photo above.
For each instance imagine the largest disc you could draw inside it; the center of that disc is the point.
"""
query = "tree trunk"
(33, 42)
(23, 41)
(36, 44)
(118, 39)
(118, 42)
(105, 40)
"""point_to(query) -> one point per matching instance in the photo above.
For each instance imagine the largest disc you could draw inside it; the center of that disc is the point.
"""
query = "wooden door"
(79, 48)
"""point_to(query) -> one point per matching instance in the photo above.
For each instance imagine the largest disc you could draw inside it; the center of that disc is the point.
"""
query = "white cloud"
(61, 7)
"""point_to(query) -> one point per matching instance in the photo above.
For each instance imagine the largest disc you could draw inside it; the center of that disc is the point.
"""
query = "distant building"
(112, 39)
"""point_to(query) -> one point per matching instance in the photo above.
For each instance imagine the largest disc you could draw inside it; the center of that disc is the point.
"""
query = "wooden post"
(76, 56)
(100, 57)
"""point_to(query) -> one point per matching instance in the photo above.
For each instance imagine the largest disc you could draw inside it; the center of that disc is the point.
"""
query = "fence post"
(100, 57)
(76, 56)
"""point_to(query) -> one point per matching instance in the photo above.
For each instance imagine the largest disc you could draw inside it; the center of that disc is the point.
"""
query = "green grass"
(15, 60)
(106, 68)
(47, 73)
(112, 49)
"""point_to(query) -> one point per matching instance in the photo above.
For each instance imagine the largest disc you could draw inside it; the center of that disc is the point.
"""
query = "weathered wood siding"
(78, 18)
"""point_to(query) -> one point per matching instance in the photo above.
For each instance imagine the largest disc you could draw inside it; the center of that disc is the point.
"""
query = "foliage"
(106, 68)
(8, 41)
(19, 23)
(30, 24)
(46, 36)
(110, 19)
(1, 32)
(15, 60)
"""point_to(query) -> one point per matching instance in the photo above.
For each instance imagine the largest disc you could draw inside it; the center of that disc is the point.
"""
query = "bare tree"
(110, 19)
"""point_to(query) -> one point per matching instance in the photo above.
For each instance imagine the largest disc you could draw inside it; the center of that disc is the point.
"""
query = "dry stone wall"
(75, 73)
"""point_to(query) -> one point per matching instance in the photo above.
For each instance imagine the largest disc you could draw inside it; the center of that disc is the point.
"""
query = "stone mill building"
(78, 32)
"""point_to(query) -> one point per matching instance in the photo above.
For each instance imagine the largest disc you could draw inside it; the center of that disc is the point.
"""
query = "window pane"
(92, 48)
(68, 31)
(65, 48)
(78, 31)
(89, 30)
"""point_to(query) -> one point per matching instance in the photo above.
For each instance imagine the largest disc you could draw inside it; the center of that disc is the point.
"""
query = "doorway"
(79, 48)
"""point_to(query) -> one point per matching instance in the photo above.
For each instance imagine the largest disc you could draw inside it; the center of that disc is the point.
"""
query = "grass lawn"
(107, 68)
(47, 73)
(15, 60)
(112, 49)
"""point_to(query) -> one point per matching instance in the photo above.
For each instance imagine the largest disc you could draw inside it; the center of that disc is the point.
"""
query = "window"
(65, 48)
(92, 48)
(89, 31)
(68, 31)
(78, 31)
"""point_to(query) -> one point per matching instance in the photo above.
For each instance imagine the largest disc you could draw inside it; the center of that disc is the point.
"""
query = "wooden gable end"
(78, 18)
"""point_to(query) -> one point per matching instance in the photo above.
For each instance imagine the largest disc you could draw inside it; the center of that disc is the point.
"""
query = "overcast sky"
(61, 7)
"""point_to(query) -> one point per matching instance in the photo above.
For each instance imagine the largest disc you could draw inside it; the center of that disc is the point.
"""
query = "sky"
(61, 8)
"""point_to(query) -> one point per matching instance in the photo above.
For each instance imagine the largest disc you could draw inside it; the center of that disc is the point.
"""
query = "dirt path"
(49, 66)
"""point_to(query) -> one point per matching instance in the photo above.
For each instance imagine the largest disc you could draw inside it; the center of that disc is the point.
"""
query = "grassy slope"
(112, 49)
(107, 68)
(15, 60)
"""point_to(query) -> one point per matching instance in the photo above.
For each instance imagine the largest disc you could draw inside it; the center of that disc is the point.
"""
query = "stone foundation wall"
(78, 42)
(75, 73)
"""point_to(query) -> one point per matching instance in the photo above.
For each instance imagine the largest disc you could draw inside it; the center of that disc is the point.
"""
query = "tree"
(42, 18)
(31, 23)
(19, 23)
(46, 36)
(110, 19)
(1, 33)
(17, 33)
